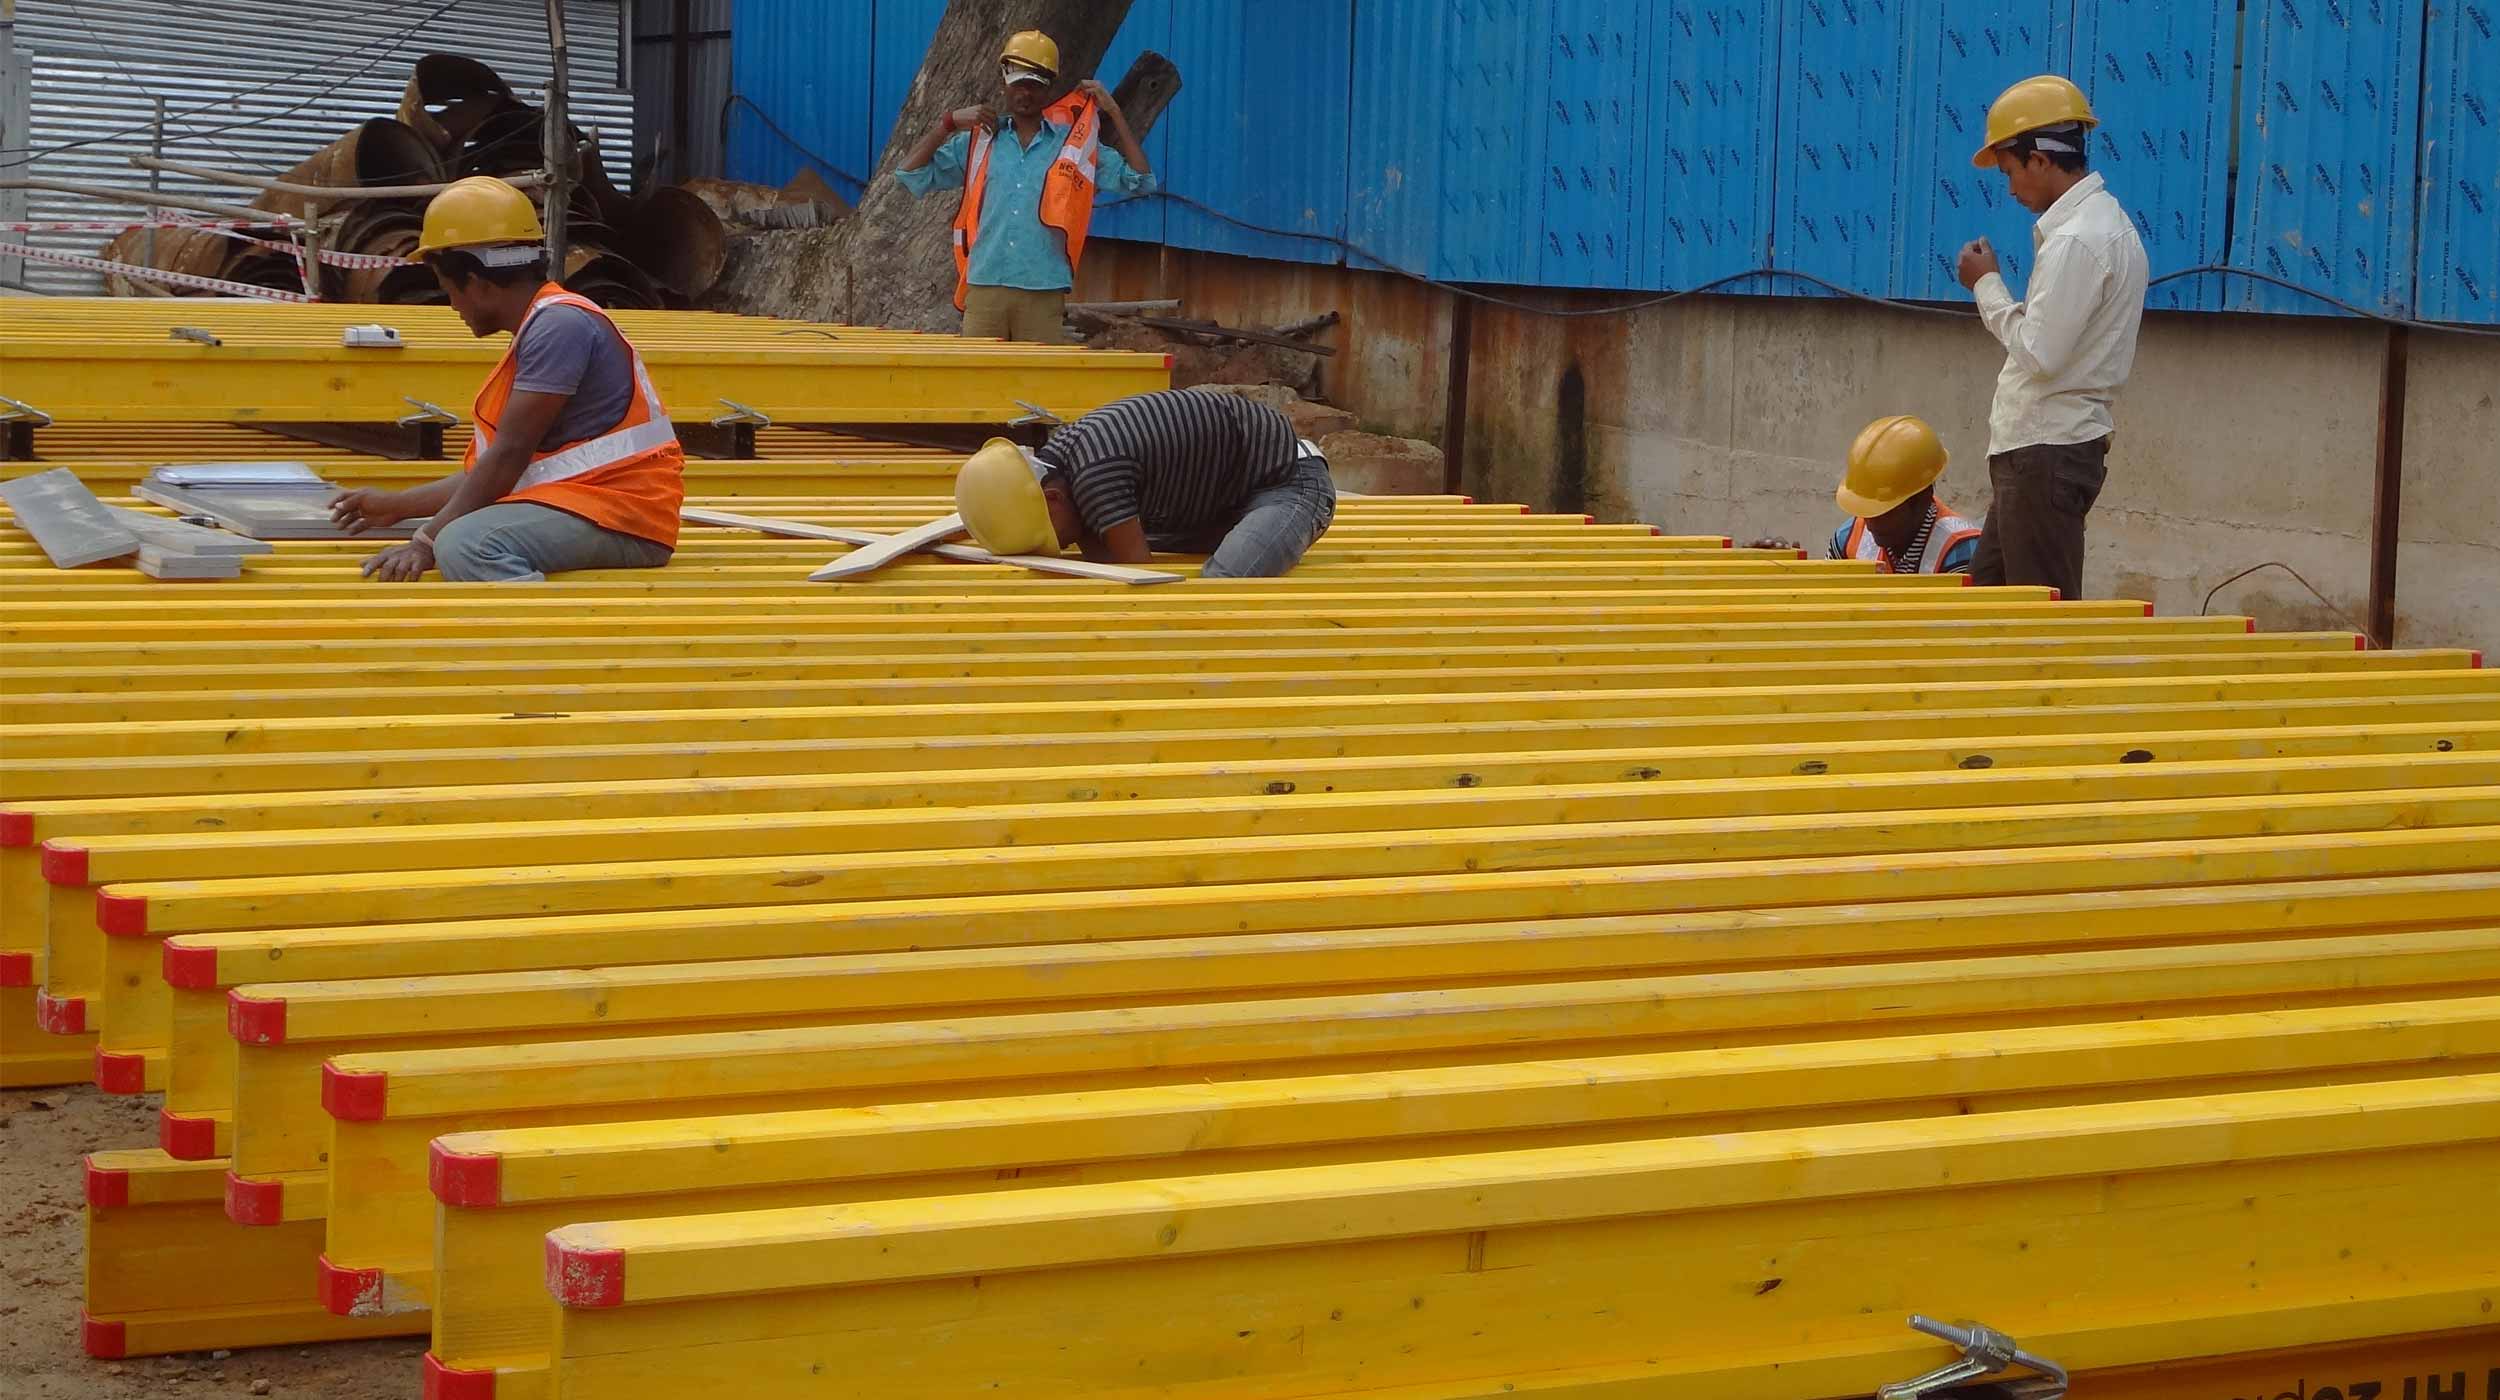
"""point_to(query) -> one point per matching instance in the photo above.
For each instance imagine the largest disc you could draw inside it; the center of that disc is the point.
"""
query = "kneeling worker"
(1176, 470)
(1891, 490)
(573, 464)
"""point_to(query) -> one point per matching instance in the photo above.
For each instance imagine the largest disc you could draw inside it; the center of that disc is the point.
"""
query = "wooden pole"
(557, 144)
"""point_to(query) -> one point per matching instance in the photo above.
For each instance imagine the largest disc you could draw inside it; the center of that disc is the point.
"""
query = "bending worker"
(1028, 182)
(2068, 346)
(1891, 490)
(573, 463)
(1177, 470)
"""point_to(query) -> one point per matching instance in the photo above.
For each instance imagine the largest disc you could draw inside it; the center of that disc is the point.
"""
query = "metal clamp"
(741, 416)
(1985, 1352)
(204, 337)
(427, 415)
(1033, 413)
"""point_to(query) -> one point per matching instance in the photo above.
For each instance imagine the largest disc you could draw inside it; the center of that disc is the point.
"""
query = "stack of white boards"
(75, 529)
(264, 500)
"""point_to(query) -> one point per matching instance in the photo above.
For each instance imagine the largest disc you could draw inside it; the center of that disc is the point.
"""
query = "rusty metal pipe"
(2389, 495)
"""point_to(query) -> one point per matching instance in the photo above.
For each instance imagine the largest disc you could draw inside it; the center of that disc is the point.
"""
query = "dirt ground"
(43, 1132)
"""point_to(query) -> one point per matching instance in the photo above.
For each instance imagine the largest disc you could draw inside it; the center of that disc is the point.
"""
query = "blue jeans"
(1277, 526)
(523, 542)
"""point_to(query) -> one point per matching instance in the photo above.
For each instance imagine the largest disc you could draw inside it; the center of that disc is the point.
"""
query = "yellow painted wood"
(31, 1059)
(428, 1092)
(483, 1279)
(1535, 1300)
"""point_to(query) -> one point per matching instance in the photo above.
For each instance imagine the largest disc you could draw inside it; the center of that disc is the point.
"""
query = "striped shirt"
(1178, 461)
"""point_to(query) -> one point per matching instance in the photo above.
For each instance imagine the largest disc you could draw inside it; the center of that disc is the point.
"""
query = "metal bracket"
(1985, 1352)
(18, 422)
(433, 413)
(14, 411)
(1033, 413)
(204, 337)
(741, 416)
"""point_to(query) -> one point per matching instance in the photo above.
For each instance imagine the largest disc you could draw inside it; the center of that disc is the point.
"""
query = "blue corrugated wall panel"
(1259, 130)
(1960, 57)
(2330, 113)
(800, 62)
(1148, 26)
(2159, 76)
(1490, 97)
(1838, 176)
(1711, 113)
(1598, 85)
(903, 29)
(2459, 278)
(1394, 150)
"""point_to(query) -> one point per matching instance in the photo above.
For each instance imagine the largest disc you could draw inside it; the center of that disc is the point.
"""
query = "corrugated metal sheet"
(1397, 140)
(299, 71)
(653, 65)
(1839, 173)
(2459, 278)
(797, 65)
(1595, 176)
(2330, 113)
(1960, 57)
(1711, 118)
(2159, 75)
(1260, 128)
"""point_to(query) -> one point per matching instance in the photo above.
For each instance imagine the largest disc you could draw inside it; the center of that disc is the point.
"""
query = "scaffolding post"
(558, 144)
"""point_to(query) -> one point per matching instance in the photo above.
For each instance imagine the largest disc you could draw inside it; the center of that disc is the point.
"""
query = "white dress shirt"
(2069, 347)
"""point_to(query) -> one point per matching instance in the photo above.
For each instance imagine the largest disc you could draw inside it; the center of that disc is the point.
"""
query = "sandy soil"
(43, 1133)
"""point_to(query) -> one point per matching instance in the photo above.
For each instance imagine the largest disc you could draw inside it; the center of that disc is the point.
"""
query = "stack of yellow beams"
(1511, 955)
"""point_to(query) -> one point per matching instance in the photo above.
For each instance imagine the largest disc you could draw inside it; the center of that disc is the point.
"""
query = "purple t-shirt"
(566, 350)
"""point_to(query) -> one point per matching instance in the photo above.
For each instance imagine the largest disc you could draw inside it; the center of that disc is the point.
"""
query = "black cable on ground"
(2205, 609)
(740, 99)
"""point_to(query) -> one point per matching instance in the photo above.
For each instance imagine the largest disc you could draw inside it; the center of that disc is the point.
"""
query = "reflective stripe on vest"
(1948, 531)
(1067, 200)
(639, 435)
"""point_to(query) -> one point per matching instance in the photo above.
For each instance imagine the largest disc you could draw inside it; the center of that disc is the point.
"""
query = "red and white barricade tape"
(123, 225)
(329, 257)
(150, 274)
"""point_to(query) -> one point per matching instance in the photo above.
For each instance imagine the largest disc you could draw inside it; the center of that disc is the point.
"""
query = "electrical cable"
(2205, 609)
(737, 99)
(389, 44)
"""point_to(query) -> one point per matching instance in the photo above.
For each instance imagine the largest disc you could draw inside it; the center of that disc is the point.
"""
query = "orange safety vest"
(1067, 191)
(1949, 530)
(630, 479)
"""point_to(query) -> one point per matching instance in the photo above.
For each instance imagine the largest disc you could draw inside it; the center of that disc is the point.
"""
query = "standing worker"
(1028, 199)
(2068, 346)
(573, 463)
(1178, 470)
(1891, 490)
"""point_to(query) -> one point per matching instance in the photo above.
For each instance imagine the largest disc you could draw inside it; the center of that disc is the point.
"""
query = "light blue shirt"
(1015, 248)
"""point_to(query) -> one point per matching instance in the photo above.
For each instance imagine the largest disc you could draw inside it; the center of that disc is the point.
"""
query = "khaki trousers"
(1012, 313)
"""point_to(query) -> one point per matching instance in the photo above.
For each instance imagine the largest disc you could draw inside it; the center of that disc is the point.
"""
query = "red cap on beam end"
(1463, 500)
(2057, 595)
(119, 1072)
(2474, 660)
(453, 1383)
(585, 1278)
(350, 1292)
(17, 828)
(125, 915)
(106, 1188)
(464, 1178)
(104, 1340)
(251, 1202)
(2360, 640)
(61, 1015)
(186, 1137)
(255, 1020)
(358, 1096)
(17, 969)
(2148, 612)
(188, 966)
(64, 864)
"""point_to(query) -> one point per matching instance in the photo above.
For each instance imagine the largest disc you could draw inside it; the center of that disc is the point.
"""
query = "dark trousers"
(2034, 531)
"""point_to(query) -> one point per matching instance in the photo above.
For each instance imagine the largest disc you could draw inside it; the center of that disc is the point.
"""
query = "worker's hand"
(401, 563)
(365, 509)
(973, 118)
(1977, 261)
(1093, 88)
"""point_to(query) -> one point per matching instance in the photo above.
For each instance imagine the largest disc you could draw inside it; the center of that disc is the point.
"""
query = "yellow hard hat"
(1890, 462)
(2047, 100)
(478, 211)
(998, 492)
(1033, 49)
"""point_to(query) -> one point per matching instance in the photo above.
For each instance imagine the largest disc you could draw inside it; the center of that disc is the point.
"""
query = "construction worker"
(2068, 345)
(1028, 182)
(573, 463)
(1890, 491)
(1178, 470)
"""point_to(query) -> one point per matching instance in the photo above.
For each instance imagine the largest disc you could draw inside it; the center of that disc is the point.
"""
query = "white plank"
(962, 553)
(869, 558)
(65, 518)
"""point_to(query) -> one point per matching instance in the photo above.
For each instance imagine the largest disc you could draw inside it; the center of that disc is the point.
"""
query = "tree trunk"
(888, 264)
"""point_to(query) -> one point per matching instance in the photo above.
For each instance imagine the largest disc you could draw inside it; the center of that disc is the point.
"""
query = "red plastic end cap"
(2148, 610)
(186, 1137)
(255, 1202)
(17, 828)
(1803, 555)
(187, 966)
(1966, 579)
(17, 969)
(1523, 510)
(118, 1072)
(464, 1178)
(106, 1188)
(350, 1292)
(256, 1020)
(357, 1096)
(1657, 531)
(452, 1383)
(1167, 362)
(101, 1339)
(1463, 500)
(61, 1015)
(123, 914)
(64, 864)
(2474, 660)
(2360, 640)
(2252, 626)
(2057, 595)
(585, 1278)
(1588, 519)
